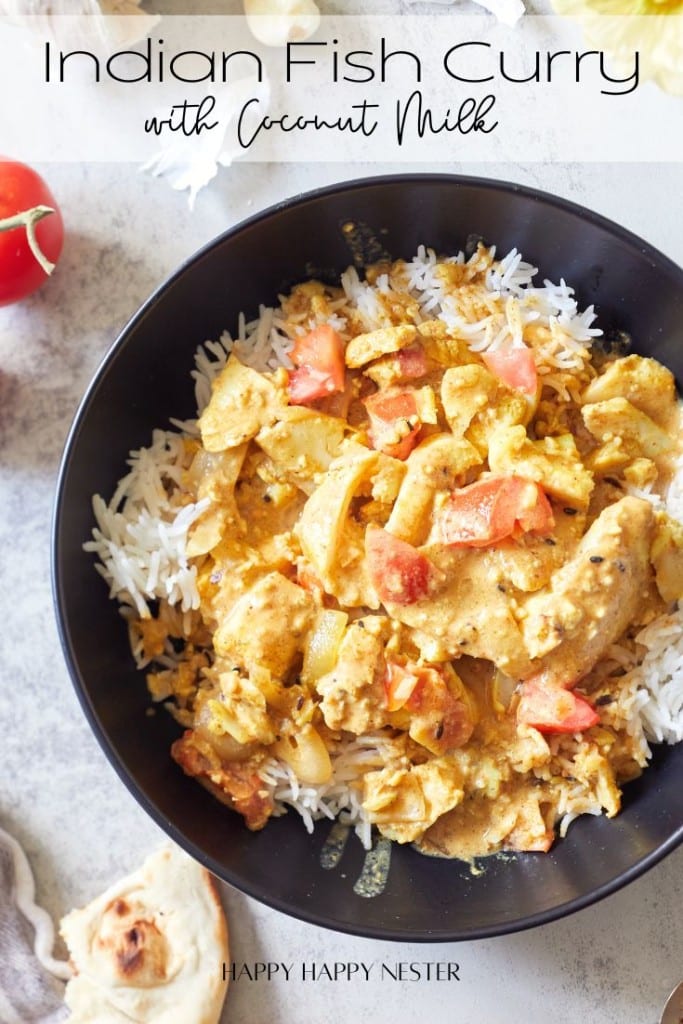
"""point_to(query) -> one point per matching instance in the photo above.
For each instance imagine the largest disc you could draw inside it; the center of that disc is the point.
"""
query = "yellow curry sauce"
(438, 555)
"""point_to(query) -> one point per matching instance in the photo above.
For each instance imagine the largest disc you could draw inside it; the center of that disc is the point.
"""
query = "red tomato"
(490, 510)
(412, 361)
(394, 424)
(423, 691)
(21, 191)
(431, 699)
(398, 571)
(467, 520)
(319, 356)
(515, 367)
(307, 385)
(552, 709)
(399, 683)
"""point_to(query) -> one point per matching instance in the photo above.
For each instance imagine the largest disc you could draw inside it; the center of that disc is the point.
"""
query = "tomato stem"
(28, 219)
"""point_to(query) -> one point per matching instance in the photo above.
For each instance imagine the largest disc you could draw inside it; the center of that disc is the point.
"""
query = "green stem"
(28, 219)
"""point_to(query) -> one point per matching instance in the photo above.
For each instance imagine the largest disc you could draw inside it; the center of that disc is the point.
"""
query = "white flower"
(104, 24)
(278, 22)
(192, 161)
(652, 28)
(508, 12)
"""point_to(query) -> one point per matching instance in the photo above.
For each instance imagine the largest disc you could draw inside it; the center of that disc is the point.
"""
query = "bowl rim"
(255, 891)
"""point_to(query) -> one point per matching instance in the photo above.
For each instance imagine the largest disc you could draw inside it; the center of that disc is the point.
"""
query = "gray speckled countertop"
(79, 825)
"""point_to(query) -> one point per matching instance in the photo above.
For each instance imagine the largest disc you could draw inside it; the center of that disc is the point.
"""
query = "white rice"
(658, 680)
(141, 533)
(339, 798)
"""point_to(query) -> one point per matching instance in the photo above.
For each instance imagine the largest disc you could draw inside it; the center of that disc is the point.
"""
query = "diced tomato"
(321, 349)
(387, 406)
(412, 362)
(467, 519)
(553, 709)
(319, 358)
(492, 509)
(397, 570)
(402, 449)
(399, 683)
(394, 423)
(431, 685)
(515, 367)
(306, 385)
(444, 721)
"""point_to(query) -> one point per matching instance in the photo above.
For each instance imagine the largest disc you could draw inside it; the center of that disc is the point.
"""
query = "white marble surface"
(80, 827)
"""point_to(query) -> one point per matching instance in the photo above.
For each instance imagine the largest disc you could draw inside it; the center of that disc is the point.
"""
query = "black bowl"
(144, 380)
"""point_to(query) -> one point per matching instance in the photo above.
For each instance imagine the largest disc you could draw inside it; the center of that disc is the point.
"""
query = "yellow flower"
(653, 28)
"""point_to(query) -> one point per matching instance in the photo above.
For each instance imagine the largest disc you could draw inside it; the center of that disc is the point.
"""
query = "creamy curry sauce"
(439, 548)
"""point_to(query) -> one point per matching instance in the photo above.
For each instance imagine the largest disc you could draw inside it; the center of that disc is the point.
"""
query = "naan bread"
(152, 948)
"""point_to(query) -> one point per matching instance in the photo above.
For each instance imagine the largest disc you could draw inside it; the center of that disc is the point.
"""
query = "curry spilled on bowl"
(416, 564)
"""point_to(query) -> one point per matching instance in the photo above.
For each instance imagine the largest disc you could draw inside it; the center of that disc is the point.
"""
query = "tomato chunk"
(307, 385)
(397, 570)
(412, 361)
(319, 358)
(440, 719)
(515, 367)
(469, 518)
(492, 509)
(394, 422)
(399, 683)
(552, 709)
